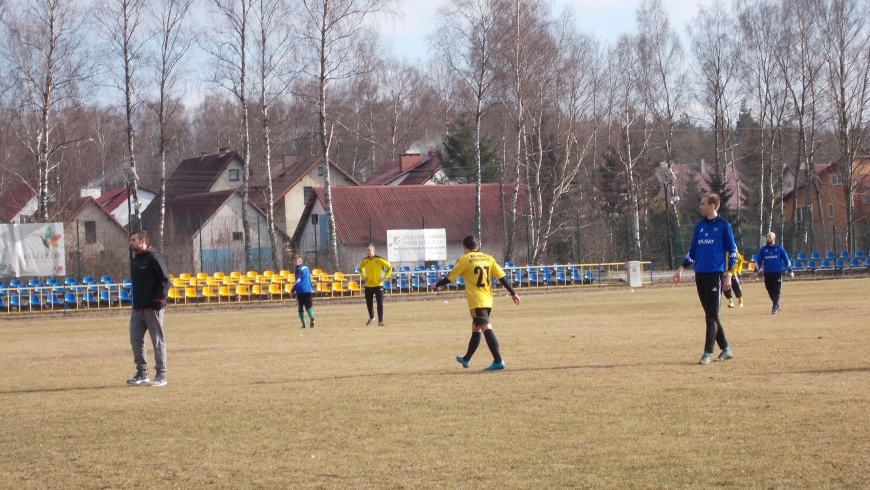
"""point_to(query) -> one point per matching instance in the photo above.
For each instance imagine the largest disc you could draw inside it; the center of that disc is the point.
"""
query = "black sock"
(492, 343)
(473, 343)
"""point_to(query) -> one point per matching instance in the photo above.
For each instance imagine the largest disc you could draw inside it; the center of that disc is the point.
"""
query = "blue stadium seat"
(17, 301)
(70, 300)
(830, 256)
(448, 267)
(533, 278)
(124, 296)
(15, 283)
(388, 286)
(88, 280)
(3, 304)
(404, 268)
(460, 282)
(802, 256)
(844, 254)
(815, 256)
(859, 254)
(754, 258)
(34, 283)
(51, 281)
(127, 284)
(798, 265)
(53, 300)
(867, 262)
(839, 264)
(854, 263)
(811, 266)
(402, 285)
(561, 279)
(89, 299)
(826, 265)
(69, 281)
(105, 298)
(509, 264)
(35, 301)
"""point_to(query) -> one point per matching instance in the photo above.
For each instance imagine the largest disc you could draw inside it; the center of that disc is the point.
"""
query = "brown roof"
(407, 207)
(196, 175)
(15, 198)
(285, 176)
(419, 174)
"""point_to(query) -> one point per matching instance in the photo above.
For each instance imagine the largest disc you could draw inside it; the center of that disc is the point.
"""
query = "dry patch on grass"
(601, 390)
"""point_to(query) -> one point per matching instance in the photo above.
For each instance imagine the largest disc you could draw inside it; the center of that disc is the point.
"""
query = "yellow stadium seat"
(174, 295)
(178, 283)
(339, 277)
(275, 290)
(244, 281)
(256, 290)
(184, 276)
(324, 277)
(212, 282)
(268, 274)
(323, 288)
(229, 281)
(225, 292)
(353, 287)
(202, 276)
(243, 292)
(208, 293)
(284, 273)
(252, 274)
(236, 275)
(218, 275)
(291, 277)
(190, 294)
(338, 288)
(316, 272)
(288, 288)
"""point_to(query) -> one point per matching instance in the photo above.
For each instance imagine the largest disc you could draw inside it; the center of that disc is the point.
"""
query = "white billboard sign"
(33, 249)
(416, 245)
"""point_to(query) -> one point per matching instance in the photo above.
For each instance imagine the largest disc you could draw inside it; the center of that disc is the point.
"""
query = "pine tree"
(457, 154)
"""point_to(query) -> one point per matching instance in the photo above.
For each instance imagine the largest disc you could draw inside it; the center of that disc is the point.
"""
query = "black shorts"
(480, 316)
(304, 300)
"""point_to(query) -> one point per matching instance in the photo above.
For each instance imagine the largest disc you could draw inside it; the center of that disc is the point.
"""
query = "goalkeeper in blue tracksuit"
(713, 252)
(773, 260)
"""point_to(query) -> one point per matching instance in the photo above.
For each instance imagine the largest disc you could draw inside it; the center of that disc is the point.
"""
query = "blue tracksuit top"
(712, 242)
(773, 259)
(303, 280)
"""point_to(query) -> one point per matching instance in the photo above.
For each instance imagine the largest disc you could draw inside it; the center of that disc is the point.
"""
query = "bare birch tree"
(174, 37)
(274, 46)
(122, 22)
(466, 40)
(332, 31)
(230, 48)
(48, 63)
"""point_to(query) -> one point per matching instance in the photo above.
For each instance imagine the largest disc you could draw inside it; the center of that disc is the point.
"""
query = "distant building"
(409, 169)
(19, 203)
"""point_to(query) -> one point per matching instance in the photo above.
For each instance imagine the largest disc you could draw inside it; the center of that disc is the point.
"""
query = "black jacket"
(150, 279)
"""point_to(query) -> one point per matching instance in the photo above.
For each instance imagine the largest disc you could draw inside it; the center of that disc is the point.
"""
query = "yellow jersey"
(738, 267)
(375, 271)
(478, 270)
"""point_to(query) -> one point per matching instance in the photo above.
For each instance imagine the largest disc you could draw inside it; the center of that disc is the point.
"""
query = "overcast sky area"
(604, 19)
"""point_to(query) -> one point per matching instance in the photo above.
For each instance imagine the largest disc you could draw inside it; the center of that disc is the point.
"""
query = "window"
(830, 211)
(306, 193)
(90, 232)
(866, 199)
(836, 180)
(799, 214)
(237, 236)
(320, 171)
(234, 175)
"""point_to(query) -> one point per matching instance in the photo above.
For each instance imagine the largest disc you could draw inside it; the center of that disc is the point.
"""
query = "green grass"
(601, 390)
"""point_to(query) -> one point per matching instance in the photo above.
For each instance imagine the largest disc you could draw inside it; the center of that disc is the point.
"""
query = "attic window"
(866, 199)
(836, 180)
(237, 236)
(234, 175)
(306, 193)
(320, 171)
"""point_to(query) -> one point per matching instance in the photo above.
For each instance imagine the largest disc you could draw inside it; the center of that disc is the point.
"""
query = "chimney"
(204, 154)
(433, 153)
(408, 161)
(224, 150)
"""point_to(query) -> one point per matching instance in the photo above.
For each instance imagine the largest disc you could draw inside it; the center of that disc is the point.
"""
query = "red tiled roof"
(15, 198)
(78, 204)
(406, 207)
(114, 198)
(419, 174)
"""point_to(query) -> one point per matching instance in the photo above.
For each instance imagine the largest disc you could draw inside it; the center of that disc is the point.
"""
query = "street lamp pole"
(666, 176)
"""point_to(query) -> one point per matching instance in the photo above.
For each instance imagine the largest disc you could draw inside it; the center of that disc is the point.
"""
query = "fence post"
(627, 256)
(528, 239)
(201, 262)
(370, 231)
(259, 247)
(79, 250)
(578, 240)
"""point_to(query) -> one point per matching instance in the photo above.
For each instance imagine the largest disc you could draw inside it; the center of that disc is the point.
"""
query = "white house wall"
(217, 234)
(223, 181)
(294, 200)
(120, 212)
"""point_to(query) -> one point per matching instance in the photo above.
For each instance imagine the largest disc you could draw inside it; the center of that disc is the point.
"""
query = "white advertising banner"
(416, 245)
(33, 249)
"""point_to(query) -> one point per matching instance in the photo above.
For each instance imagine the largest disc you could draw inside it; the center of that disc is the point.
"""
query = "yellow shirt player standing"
(735, 283)
(478, 270)
(375, 270)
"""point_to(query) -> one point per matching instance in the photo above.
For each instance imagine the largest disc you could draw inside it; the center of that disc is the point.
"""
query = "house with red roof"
(828, 192)
(409, 169)
(292, 181)
(93, 237)
(115, 202)
(364, 214)
(20, 202)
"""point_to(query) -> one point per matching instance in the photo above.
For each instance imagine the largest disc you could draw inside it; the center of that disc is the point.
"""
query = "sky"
(604, 19)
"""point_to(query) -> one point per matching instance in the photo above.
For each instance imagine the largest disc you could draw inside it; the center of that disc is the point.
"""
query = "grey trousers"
(152, 321)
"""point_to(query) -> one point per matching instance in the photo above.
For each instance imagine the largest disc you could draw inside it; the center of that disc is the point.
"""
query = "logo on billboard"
(50, 240)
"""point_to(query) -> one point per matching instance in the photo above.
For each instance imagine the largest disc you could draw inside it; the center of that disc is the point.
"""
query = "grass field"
(601, 390)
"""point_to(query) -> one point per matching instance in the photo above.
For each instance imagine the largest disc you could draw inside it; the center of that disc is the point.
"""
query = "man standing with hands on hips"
(150, 283)
(772, 259)
(375, 270)
(713, 251)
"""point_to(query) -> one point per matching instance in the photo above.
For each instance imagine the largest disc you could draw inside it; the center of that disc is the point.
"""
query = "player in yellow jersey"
(478, 269)
(735, 283)
(375, 270)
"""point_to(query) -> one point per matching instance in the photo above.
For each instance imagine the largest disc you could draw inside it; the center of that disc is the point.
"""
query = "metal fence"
(237, 289)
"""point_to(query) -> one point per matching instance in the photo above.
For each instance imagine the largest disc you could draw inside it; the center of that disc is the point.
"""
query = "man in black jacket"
(150, 286)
